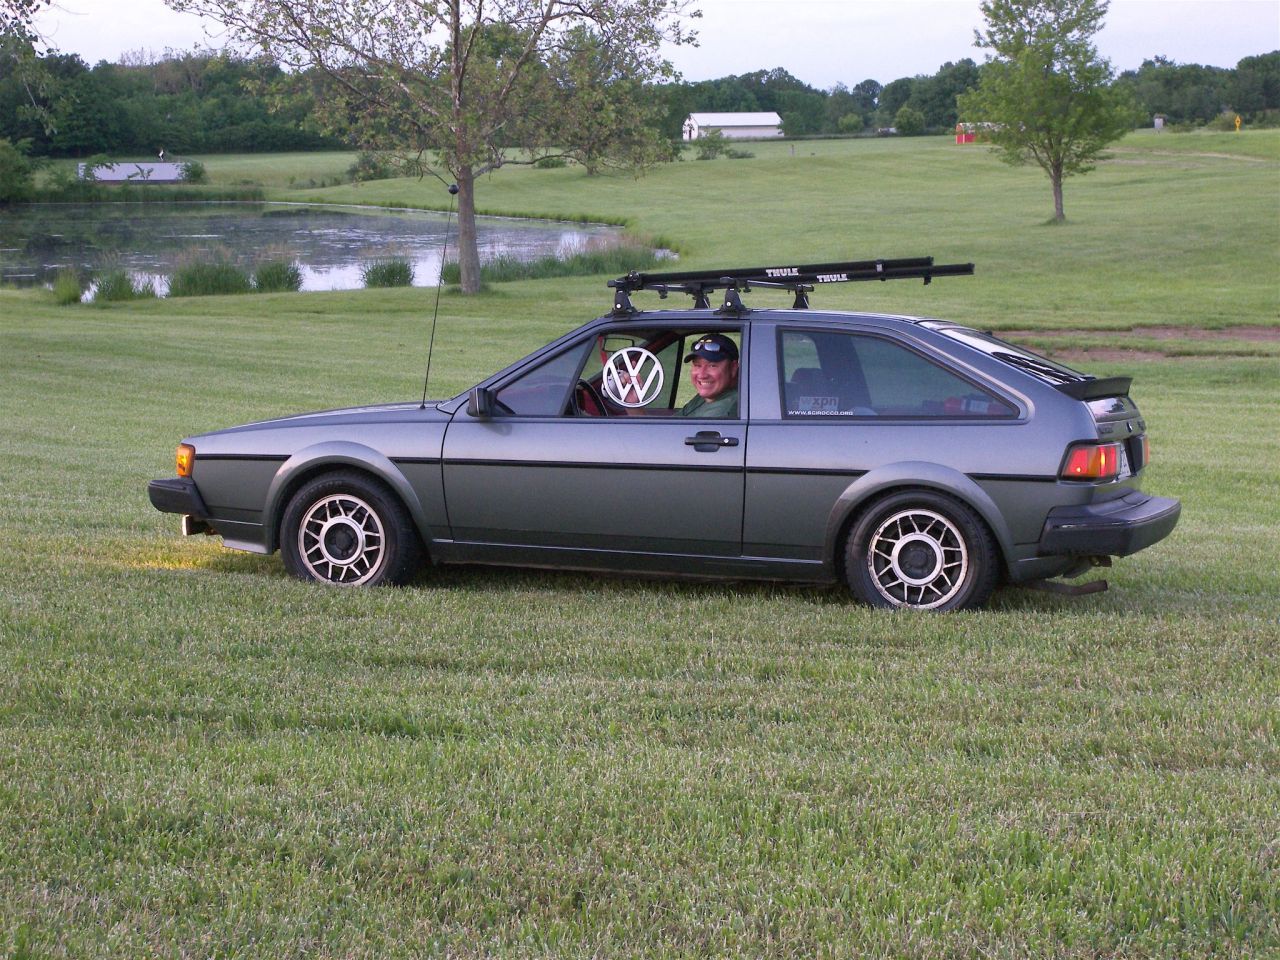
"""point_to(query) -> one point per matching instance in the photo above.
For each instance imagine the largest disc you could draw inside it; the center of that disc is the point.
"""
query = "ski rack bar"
(800, 280)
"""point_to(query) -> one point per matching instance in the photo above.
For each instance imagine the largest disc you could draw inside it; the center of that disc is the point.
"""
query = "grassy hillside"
(1178, 229)
(201, 757)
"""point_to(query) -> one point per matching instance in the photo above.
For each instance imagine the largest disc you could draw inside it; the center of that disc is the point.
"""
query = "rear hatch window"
(1042, 368)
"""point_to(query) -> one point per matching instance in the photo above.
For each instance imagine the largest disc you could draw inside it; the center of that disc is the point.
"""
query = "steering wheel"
(589, 390)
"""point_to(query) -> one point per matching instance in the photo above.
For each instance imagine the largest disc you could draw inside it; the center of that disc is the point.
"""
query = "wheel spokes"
(917, 558)
(340, 540)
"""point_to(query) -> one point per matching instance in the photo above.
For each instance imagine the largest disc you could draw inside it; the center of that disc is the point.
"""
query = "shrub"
(602, 256)
(193, 171)
(734, 154)
(710, 145)
(1223, 121)
(68, 288)
(850, 123)
(909, 121)
(117, 284)
(208, 278)
(277, 276)
(388, 272)
(371, 166)
(550, 163)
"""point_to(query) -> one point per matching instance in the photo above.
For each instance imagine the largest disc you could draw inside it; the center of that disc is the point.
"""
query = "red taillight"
(1093, 461)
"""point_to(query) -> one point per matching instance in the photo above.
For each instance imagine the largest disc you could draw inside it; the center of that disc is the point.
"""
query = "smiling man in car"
(715, 377)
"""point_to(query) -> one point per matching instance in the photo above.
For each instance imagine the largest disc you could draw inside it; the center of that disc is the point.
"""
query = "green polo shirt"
(723, 407)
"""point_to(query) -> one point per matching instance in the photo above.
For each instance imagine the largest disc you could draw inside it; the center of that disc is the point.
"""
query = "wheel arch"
(890, 479)
(331, 457)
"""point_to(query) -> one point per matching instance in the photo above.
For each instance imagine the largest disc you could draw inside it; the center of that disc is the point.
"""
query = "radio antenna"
(444, 253)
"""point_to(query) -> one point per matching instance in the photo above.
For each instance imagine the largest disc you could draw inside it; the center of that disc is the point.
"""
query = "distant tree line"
(182, 103)
(202, 101)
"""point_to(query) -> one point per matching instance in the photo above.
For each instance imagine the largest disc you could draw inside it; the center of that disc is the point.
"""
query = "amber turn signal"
(186, 459)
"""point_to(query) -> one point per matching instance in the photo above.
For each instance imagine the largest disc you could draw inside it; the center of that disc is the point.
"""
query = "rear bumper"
(1114, 528)
(177, 495)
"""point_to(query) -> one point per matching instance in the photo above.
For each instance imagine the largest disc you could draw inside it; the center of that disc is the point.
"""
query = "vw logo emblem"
(633, 377)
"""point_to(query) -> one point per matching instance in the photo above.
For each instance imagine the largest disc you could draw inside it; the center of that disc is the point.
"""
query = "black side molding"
(1096, 389)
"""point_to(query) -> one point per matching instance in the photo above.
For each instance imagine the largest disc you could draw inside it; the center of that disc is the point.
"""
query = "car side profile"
(921, 462)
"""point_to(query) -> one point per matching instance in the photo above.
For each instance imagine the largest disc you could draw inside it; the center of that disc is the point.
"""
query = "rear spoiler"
(1096, 389)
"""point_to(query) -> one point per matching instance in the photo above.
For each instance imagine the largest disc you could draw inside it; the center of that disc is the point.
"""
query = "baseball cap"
(714, 347)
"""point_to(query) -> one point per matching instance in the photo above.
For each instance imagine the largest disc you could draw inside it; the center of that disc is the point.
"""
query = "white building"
(129, 172)
(734, 126)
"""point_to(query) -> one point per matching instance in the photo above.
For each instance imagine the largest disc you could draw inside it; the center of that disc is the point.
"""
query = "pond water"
(331, 244)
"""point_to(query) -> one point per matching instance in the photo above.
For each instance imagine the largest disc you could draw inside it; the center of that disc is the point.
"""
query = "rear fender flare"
(902, 476)
(334, 455)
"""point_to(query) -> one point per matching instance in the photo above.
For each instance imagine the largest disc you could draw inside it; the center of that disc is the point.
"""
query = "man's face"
(712, 378)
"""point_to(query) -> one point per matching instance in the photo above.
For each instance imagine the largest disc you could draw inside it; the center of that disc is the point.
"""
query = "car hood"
(409, 411)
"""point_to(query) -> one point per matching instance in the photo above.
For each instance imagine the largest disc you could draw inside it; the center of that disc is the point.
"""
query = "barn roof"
(768, 119)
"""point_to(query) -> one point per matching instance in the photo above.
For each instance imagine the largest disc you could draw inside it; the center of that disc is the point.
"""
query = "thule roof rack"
(799, 280)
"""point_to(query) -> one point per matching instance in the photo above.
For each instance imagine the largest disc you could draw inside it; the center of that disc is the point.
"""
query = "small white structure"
(146, 172)
(734, 126)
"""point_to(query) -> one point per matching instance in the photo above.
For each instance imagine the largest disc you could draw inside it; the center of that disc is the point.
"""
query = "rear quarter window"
(827, 373)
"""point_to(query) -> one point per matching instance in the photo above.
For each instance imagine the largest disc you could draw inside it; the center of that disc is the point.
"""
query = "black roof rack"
(800, 280)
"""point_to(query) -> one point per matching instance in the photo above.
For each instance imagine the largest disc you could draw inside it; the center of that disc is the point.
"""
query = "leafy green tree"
(1182, 93)
(17, 173)
(463, 79)
(626, 122)
(909, 121)
(1045, 89)
(893, 97)
(1255, 87)
(935, 96)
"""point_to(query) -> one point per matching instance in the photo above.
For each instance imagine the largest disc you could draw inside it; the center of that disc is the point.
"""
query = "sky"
(822, 42)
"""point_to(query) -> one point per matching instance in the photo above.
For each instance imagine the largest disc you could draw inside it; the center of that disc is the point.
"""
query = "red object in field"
(963, 135)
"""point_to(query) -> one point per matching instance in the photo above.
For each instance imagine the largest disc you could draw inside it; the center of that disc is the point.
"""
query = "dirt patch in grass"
(1121, 352)
(1253, 334)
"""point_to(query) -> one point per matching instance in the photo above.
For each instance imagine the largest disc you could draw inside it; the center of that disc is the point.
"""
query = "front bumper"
(1113, 528)
(177, 495)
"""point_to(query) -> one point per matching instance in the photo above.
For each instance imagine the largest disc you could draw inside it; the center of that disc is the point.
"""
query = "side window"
(640, 372)
(544, 390)
(854, 375)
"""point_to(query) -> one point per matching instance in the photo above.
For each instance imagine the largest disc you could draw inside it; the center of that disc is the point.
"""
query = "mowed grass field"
(201, 757)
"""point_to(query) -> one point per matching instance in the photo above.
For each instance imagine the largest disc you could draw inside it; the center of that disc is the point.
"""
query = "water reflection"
(330, 244)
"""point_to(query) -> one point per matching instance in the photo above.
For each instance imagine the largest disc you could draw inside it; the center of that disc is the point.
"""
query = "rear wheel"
(922, 551)
(349, 530)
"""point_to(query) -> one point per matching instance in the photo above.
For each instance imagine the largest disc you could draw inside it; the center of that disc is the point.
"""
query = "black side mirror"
(480, 403)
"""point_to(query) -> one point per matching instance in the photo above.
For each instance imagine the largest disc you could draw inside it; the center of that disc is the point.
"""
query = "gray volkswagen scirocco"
(919, 461)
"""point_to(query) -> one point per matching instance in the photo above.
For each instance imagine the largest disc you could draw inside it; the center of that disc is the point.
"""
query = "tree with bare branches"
(459, 83)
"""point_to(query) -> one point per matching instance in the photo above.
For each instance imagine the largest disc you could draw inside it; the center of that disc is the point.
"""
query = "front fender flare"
(912, 474)
(337, 454)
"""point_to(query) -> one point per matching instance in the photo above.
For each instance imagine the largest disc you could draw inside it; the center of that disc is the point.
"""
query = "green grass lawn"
(202, 757)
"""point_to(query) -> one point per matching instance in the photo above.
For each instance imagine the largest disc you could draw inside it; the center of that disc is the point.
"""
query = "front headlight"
(186, 459)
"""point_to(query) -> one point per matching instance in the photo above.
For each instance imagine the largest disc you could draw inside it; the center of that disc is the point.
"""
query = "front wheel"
(348, 530)
(922, 551)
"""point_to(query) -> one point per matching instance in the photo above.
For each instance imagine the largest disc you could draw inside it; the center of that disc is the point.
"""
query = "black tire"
(921, 551)
(347, 529)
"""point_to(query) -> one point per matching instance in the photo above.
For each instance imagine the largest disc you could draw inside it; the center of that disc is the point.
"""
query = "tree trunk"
(1056, 178)
(468, 252)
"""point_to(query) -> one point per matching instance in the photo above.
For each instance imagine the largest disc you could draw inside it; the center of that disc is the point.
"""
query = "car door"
(850, 401)
(542, 473)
